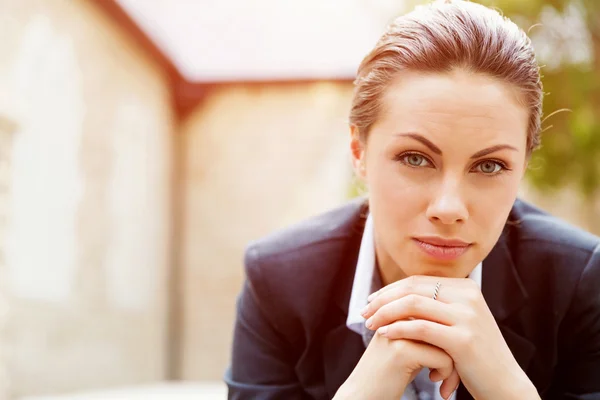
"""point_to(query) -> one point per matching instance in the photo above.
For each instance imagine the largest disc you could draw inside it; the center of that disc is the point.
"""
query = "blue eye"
(415, 160)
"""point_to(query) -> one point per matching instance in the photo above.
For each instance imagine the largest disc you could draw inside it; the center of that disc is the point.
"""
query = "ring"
(437, 290)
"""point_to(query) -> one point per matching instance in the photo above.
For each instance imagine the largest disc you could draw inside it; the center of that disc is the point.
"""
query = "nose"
(448, 206)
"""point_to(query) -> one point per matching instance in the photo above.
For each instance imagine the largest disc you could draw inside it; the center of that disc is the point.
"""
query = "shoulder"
(293, 271)
(294, 249)
(551, 255)
(336, 225)
(535, 227)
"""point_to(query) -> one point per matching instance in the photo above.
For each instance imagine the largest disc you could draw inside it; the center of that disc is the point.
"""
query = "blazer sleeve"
(578, 375)
(261, 362)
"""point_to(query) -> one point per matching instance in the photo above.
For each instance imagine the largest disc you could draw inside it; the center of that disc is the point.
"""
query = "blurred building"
(142, 145)
(87, 135)
(131, 180)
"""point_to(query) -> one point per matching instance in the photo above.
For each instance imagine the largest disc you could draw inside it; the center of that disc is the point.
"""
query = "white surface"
(268, 39)
(159, 391)
(41, 242)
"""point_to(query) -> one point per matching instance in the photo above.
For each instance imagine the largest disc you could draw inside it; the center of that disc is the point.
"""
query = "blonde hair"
(440, 37)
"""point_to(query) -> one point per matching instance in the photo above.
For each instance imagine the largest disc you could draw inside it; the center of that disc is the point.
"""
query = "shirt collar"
(364, 278)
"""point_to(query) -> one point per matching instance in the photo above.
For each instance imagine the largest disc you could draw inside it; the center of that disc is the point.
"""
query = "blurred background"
(143, 143)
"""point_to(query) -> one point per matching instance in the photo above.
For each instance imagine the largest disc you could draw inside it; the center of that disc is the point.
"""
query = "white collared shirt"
(363, 278)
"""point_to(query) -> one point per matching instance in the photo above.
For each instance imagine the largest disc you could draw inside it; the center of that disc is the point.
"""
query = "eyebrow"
(493, 149)
(438, 151)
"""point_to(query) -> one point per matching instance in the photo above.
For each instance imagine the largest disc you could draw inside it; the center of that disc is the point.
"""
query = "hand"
(388, 366)
(458, 322)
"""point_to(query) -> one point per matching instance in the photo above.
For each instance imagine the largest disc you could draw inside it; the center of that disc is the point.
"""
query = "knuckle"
(382, 299)
(400, 346)
(422, 329)
(412, 302)
(449, 362)
(466, 340)
(472, 297)
(411, 283)
(385, 314)
(382, 313)
(402, 292)
(473, 293)
(374, 304)
(469, 315)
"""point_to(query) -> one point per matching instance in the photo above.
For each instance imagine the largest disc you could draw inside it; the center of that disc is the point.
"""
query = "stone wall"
(87, 238)
(257, 158)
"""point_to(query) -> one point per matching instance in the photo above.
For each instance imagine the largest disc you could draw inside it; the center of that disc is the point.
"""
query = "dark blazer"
(541, 281)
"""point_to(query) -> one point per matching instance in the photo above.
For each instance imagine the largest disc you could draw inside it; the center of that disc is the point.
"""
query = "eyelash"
(503, 167)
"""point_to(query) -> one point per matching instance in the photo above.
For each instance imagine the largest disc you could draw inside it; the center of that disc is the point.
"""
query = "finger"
(435, 376)
(451, 290)
(417, 280)
(438, 335)
(432, 357)
(407, 282)
(450, 384)
(412, 306)
(421, 285)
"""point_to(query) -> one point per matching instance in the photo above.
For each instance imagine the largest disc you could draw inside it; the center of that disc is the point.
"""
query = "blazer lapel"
(505, 295)
(343, 348)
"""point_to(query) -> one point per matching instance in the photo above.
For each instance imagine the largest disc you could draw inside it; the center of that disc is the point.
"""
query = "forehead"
(467, 105)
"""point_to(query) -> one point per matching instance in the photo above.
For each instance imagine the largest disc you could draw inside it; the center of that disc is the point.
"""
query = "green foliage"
(570, 152)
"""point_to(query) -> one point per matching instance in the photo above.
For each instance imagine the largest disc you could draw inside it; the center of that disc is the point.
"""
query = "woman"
(473, 289)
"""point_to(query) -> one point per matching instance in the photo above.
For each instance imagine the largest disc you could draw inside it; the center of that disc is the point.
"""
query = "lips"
(437, 241)
(441, 248)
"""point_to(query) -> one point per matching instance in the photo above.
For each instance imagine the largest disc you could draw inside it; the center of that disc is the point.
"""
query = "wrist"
(520, 387)
(348, 392)
(370, 389)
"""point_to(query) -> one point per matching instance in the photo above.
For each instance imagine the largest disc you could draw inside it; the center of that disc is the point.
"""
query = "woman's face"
(442, 166)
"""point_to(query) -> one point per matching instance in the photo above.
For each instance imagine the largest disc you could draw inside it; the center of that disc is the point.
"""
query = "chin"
(442, 273)
(447, 269)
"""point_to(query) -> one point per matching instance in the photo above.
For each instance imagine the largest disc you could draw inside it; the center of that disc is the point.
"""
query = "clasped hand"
(459, 323)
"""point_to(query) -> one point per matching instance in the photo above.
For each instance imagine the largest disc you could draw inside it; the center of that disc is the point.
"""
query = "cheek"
(494, 200)
(389, 181)
(490, 209)
(397, 195)
(393, 197)
(397, 204)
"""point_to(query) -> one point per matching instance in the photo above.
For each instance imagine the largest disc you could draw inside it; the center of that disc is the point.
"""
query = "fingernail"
(372, 296)
(383, 330)
(369, 323)
(365, 310)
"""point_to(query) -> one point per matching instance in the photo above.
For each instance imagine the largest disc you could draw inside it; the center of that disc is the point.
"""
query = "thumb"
(450, 383)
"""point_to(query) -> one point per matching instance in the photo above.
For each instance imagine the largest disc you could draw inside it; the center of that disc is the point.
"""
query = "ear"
(357, 149)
